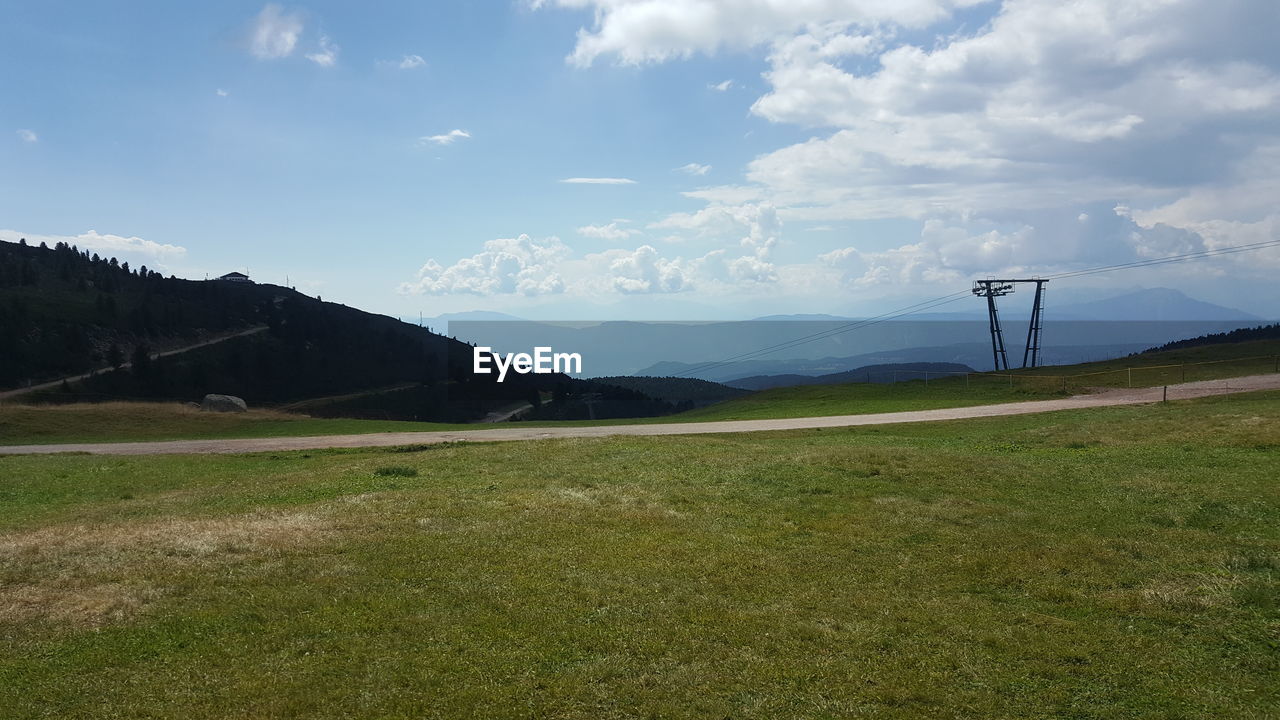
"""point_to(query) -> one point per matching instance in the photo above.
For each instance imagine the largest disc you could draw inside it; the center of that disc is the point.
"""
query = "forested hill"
(65, 312)
(1262, 332)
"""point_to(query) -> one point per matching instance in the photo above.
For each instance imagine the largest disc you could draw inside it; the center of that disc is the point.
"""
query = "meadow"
(1108, 563)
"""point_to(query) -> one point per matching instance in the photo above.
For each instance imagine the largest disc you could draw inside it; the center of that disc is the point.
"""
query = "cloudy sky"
(592, 159)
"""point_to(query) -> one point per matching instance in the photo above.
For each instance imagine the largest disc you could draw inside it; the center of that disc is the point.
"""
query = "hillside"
(65, 312)
(685, 392)
(1262, 332)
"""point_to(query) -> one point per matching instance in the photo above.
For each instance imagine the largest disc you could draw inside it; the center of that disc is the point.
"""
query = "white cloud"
(274, 33)
(598, 181)
(446, 139)
(222, 93)
(1048, 103)
(97, 242)
(720, 86)
(612, 231)
(749, 224)
(642, 31)
(327, 55)
(28, 136)
(694, 169)
(517, 265)
(409, 62)
(525, 267)
(645, 271)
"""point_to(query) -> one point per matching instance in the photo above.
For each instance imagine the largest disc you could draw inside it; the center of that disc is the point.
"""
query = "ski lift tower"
(992, 289)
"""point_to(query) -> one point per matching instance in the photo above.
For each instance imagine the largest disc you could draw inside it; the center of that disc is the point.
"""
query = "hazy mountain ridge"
(886, 373)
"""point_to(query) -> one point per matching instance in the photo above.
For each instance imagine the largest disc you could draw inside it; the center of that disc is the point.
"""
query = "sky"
(651, 159)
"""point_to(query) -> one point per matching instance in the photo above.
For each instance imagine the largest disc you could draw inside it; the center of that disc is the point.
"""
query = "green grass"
(130, 421)
(1110, 563)
(864, 398)
(1209, 362)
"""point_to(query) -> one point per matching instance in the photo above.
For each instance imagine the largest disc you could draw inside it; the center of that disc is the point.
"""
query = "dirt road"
(6, 394)
(1100, 399)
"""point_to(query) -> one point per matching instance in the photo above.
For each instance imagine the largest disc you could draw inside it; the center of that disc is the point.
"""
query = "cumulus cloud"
(1048, 103)
(950, 252)
(327, 55)
(749, 224)
(102, 244)
(221, 93)
(598, 181)
(274, 33)
(612, 231)
(645, 271)
(526, 267)
(519, 265)
(446, 139)
(28, 136)
(409, 62)
(694, 169)
(721, 86)
(643, 31)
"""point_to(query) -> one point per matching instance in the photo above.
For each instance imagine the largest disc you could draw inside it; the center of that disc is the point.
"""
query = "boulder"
(223, 403)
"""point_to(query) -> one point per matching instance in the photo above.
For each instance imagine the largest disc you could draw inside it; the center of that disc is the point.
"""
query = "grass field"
(1110, 563)
(124, 421)
(1209, 362)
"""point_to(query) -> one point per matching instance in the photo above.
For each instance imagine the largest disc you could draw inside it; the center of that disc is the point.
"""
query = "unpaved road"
(1105, 398)
(6, 394)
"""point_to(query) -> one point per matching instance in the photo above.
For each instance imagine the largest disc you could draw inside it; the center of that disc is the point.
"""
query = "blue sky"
(844, 156)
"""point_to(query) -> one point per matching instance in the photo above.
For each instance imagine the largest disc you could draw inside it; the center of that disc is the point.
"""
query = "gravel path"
(7, 394)
(1102, 398)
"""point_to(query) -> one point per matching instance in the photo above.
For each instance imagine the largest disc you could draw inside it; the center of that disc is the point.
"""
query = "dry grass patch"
(72, 573)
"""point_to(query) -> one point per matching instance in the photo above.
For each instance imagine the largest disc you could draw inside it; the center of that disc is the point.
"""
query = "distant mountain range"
(1162, 304)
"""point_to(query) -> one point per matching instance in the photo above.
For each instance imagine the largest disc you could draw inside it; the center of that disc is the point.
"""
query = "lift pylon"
(992, 289)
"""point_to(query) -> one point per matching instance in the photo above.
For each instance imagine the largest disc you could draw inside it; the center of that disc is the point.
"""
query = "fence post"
(1130, 377)
(1166, 394)
(966, 381)
(926, 378)
(1064, 383)
(1010, 381)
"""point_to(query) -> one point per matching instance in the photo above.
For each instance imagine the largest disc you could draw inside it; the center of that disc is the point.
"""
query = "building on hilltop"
(235, 277)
